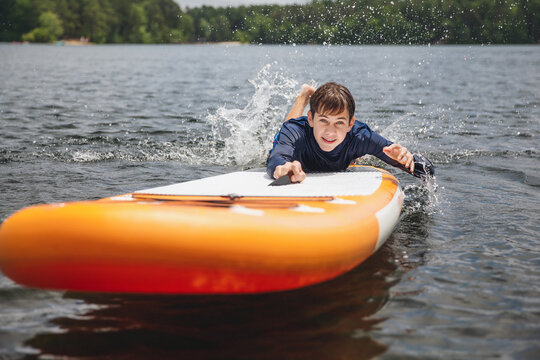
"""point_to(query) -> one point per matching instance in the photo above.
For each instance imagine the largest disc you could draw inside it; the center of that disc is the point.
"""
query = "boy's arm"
(280, 161)
(398, 156)
(301, 102)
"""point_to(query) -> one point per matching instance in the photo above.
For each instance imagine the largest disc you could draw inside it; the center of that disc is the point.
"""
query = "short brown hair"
(332, 98)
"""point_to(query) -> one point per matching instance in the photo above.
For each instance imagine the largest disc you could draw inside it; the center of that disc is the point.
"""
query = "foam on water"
(91, 156)
(422, 195)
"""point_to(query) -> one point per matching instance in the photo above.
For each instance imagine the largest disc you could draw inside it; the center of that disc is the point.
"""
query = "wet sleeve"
(374, 146)
(283, 150)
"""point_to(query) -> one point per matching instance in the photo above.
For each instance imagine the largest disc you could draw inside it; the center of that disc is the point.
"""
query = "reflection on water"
(316, 322)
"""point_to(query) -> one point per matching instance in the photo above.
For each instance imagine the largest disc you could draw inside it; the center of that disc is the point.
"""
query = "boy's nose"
(330, 132)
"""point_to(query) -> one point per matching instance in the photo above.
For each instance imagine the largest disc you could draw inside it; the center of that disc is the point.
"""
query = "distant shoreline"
(347, 22)
(72, 42)
(238, 43)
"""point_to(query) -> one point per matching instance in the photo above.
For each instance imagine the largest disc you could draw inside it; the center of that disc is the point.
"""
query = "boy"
(330, 139)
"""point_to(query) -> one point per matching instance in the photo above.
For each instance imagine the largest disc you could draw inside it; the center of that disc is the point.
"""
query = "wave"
(225, 137)
(444, 157)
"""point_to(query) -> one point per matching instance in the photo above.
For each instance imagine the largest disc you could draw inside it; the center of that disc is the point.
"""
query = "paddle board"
(231, 233)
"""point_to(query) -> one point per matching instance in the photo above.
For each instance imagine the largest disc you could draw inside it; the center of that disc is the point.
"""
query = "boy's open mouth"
(328, 141)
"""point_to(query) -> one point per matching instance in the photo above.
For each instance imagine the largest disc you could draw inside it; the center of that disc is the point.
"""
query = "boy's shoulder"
(359, 129)
(358, 125)
(298, 126)
(302, 121)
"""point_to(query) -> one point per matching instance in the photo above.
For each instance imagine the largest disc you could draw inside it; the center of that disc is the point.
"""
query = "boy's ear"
(351, 123)
(310, 118)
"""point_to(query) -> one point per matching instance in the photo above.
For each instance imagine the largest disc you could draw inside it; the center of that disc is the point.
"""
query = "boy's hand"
(293, 169)
(306, 91)
(301, 102)
(400, 154)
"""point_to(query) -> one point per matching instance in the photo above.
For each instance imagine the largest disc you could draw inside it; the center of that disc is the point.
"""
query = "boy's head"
(331, 115)
(332, 99)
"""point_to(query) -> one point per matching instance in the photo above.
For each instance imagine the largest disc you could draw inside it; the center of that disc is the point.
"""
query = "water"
(459, 278)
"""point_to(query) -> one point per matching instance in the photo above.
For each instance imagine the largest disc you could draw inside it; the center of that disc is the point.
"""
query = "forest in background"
(318, 22)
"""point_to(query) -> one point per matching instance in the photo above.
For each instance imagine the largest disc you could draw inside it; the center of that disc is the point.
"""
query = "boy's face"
(330, 130)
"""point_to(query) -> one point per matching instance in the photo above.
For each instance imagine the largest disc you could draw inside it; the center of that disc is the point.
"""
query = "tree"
(23, 17)
(320, 21)
(94, 21)
(204, 31)
(187, 26)
(221, 29)
(49, 30)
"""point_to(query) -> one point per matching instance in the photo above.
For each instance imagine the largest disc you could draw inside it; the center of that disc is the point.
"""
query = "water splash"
(422, 197)
(243, 137)
(408, 128)
(238, 136)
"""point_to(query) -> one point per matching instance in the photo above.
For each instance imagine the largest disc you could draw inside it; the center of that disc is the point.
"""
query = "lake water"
(459, 278)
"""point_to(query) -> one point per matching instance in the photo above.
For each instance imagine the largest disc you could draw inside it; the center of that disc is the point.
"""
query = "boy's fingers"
(402, 154)
(282, 170)
(298, 174)
(294, 173)
(298, 178)
(292, 169)
(277, 172)
(307, 90)
(390, 150)
(410, 163)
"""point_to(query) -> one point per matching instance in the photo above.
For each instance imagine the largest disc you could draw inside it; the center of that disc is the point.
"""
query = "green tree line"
(318, 22)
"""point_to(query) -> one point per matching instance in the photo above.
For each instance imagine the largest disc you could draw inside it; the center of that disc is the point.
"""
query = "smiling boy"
(330, 138)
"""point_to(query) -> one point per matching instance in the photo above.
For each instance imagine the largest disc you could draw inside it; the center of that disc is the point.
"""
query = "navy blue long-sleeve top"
(295, 141)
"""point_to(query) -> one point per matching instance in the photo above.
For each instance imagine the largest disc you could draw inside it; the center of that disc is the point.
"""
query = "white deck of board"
(256, 184)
